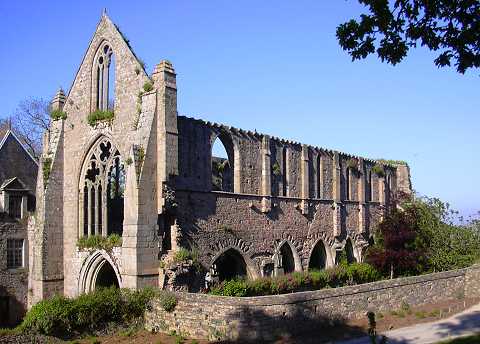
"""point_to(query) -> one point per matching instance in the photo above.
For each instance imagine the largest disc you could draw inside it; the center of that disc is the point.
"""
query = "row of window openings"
(222, 176)
(15, 256)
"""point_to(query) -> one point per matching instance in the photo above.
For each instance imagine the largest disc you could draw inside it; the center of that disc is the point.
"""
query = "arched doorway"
(286, 261)
(347, 255)
(229, 265)
(106, 277)
(222, 163)
(318, 258)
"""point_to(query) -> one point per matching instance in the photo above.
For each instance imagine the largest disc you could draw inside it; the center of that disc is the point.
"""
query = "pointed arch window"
(104, 78)
(101, 188)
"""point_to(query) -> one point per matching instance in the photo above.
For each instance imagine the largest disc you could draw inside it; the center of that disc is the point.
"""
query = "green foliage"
(58, 114)
(226, 229)
(183, 255)
(475, 339)
(168, 301)
(148, 86)
(61, 316)
(276, 170)
(99, 242)
(46, 169)
(391, 28)
(141, 154)
(128, 161)
(352, 164)
(337, 276)
(432, 242)
(100, 116)
(378, 170)
(392, 162)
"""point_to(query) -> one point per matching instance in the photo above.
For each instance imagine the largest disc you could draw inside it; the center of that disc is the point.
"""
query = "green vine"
(276, 169)
(148, 86)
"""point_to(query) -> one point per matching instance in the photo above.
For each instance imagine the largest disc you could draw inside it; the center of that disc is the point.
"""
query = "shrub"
(337, 276)
(58, 114)
(99, 242)
(99, 116)
(378, 170)
(61, 316)
(168, 301)
(148, 86)
(352, 164)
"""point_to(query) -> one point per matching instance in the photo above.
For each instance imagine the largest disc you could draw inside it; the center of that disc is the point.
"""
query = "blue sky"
(272, 66)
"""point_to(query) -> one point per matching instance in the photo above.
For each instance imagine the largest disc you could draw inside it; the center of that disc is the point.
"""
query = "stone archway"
(321, 256)
(230, 264)
(286, 259)
(98, 271)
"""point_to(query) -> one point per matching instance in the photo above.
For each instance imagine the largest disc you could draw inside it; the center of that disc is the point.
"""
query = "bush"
(148, 86)
(100, 115)
(168, 301)
(378, 170)
(99, 242)
(61, 316)
(337, 276)
(46, 169)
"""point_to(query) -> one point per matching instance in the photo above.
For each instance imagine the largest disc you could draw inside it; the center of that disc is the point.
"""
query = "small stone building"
(123, 161)
(18, 172)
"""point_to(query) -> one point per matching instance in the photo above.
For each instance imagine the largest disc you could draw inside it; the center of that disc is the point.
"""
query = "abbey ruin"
(120, 160)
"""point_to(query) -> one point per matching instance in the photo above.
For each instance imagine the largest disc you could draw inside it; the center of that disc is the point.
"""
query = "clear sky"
(272, 66)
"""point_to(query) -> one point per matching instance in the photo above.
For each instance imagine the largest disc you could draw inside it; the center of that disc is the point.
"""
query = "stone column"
(266, 175)
(164, 79)
(305, 179)
(24, 209)
(337, 205)
(361, 197)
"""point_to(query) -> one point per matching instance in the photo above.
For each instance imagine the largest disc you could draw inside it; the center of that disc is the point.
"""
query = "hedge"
(338, 276)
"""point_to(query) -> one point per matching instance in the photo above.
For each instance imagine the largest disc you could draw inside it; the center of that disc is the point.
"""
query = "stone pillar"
(164, 79)
(58, 101)
(403, 182)
(24, 210)
(337, 206)
(305, 179)
(361, 197)
(266, 175)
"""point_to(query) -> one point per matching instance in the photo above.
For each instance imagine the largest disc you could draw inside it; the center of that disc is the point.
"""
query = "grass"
(98, 116)
(475, 339)
(100, 242)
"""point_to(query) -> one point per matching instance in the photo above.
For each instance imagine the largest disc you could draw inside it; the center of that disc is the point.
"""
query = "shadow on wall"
(299, 325)
(11, 310)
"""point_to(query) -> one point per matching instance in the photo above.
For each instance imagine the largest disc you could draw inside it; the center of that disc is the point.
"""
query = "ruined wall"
(308, 193)
(265, 317)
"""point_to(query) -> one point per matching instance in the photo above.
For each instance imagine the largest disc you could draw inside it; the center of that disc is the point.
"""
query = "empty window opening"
(319, 176)
(106, 277)
(168, 222)
(15, 253)
(102, 191)
(15, 206)
(222, 172)
(4, 311)
(105, 75)
(318, 258)
(369, 187)
(286, 260)
(229, 265)
(347, 184)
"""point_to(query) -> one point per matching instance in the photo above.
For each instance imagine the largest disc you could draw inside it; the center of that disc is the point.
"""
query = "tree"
(29, 121)
(391, 28)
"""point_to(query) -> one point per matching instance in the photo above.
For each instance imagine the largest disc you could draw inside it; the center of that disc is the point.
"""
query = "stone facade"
(266, 317)
(18, 170)
(147, 173)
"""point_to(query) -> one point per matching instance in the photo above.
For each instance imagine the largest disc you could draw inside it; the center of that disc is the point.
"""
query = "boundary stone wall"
(265, 317)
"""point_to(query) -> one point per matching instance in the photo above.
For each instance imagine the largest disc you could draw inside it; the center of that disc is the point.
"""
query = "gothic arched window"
(104, 77)
(101, 188)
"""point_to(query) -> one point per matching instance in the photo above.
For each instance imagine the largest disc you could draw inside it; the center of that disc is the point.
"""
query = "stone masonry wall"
(264, 318)
(13, 283)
